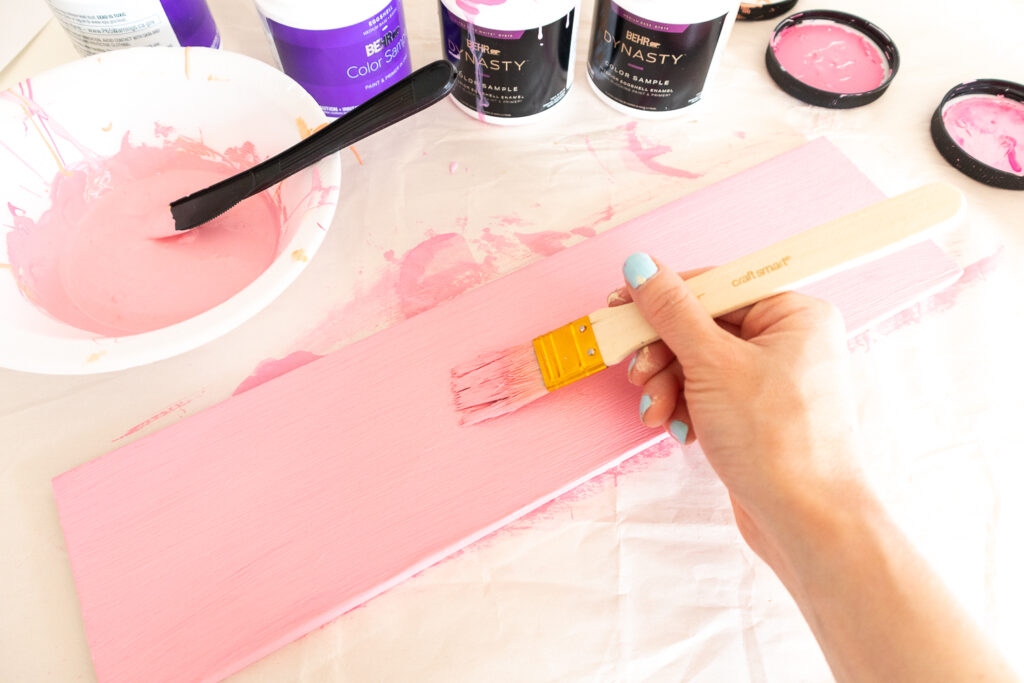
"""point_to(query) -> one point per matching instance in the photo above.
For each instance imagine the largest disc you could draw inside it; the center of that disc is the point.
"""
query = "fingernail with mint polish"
(638, 269)
(645, 404)
(632, 363)
(679, 430)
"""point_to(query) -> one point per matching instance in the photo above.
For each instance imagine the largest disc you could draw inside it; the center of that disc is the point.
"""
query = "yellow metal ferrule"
(568, 354)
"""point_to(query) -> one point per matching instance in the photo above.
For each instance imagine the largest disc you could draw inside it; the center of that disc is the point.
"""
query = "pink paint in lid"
(831, 59)
(978, 128)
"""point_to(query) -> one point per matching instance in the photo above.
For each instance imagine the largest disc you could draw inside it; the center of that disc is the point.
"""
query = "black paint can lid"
(757, 11)
(824, 98)
(955, 154)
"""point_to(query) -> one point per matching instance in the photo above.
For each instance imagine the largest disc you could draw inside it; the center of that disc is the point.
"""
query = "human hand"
(765, 389)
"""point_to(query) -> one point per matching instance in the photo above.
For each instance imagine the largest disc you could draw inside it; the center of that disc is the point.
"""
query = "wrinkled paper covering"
(640, 575)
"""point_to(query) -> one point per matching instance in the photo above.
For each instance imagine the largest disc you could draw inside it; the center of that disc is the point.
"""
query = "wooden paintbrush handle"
(810, 256)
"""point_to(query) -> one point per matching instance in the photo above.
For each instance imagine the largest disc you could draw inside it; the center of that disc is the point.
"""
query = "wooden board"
(203, 547)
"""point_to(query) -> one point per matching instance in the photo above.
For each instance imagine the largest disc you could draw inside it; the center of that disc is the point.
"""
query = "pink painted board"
(205, 546)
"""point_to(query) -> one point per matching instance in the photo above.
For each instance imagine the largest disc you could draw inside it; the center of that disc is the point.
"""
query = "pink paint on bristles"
(496, 384)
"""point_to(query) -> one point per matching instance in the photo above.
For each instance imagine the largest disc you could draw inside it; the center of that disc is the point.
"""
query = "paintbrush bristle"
(497, 383)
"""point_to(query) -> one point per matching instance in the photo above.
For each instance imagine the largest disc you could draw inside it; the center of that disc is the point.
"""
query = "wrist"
(809, 531)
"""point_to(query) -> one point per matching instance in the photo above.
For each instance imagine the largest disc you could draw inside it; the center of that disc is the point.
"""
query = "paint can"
(343, 52)
(655, 59)
(514, 59)
(102, 25)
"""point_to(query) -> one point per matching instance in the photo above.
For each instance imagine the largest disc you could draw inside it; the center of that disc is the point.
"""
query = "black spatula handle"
(412, 94)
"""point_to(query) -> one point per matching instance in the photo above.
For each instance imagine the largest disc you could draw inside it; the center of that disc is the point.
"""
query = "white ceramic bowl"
(225, 99)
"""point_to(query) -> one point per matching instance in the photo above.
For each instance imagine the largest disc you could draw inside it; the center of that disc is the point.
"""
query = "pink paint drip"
(24, 163)
(990, 129)
(478, 72)
(473, 6)
(830, 57)
(174, 407)
(472, 9)
(38, 116)
(647, 155)
(590, 148)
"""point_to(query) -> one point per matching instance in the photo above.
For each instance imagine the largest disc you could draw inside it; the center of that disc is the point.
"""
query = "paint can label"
(344, 67)
(192, 22)
(650, 65)
(510, 74)
(115, 24)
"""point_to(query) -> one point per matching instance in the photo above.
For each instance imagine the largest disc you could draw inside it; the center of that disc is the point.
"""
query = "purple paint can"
(342, 52)
(102, 25)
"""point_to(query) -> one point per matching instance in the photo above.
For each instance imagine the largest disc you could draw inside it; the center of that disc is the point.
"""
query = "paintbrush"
(414, 93)
(501, 382)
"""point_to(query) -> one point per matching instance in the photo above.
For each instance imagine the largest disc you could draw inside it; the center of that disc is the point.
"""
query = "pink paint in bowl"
(92, 151)
(90, 262)
(831, 59)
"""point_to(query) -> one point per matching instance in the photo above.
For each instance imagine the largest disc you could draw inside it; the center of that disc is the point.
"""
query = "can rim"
(825, 98)
(764, 10)
(956, 155)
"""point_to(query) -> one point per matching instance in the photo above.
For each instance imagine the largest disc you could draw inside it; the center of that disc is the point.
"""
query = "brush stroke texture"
(205, 546)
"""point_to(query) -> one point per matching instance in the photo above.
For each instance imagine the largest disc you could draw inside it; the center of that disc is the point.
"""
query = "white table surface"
(640, 575)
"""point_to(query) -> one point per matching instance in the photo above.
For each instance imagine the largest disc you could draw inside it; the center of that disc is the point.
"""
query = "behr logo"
(381, 43)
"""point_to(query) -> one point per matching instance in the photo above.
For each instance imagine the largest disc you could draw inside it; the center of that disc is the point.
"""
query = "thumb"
(671, 307)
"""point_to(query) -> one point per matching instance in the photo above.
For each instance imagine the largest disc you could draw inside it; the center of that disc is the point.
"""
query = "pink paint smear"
(273, 367)
(178, 407)
(647, 154)
(437, 270)
(472, 7)
(974, 274)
